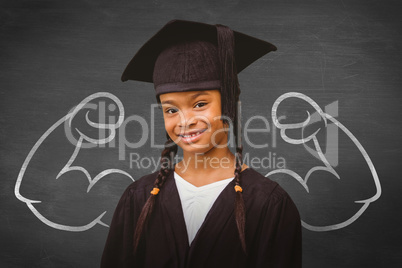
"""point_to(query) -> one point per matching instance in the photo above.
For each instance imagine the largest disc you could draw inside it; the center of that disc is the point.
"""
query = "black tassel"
(230, 90)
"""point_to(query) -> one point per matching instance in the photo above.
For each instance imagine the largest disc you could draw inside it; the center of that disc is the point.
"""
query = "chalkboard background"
(344, 55)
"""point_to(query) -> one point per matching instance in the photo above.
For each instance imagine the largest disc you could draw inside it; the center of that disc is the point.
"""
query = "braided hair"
(166, 162)
(240, 210)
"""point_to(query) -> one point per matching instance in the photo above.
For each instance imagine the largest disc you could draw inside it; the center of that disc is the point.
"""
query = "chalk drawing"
(69, 165)
(326, 164)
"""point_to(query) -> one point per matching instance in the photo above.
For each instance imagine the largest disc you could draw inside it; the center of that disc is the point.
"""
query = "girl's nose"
(187, 118)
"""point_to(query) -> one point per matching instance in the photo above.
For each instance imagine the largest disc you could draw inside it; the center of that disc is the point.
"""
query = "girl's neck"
(202, 169)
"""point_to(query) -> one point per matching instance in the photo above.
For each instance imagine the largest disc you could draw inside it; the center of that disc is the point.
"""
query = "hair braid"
(240, 210)
(166, 167)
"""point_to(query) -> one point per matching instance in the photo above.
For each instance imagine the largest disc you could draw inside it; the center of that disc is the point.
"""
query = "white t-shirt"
(197, 201)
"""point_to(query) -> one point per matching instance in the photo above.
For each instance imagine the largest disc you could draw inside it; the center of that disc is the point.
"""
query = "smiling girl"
(210, 209)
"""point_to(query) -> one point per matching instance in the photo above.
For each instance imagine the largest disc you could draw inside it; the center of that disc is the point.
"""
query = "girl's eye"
(170, 111)
(201, 103)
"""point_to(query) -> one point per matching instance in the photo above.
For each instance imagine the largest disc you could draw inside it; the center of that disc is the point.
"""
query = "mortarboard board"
(188, 55)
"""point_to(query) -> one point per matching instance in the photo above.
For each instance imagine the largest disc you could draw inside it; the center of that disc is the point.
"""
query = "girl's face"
(192, 119)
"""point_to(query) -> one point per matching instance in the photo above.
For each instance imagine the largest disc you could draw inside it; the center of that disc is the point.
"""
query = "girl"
(210, 209)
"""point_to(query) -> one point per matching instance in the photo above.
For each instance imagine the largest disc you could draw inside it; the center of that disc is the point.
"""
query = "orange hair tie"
(155, 191)
(238, 188)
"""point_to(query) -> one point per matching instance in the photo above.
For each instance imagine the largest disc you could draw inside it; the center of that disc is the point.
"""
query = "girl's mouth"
(193, 137)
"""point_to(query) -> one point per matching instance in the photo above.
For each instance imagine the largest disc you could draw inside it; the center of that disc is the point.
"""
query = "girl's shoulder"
(143, 183)
(257, 185)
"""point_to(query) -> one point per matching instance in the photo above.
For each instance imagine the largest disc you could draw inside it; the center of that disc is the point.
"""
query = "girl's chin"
(194, 148)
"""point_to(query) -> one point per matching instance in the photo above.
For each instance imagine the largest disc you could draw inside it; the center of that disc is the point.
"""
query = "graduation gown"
(273, 228)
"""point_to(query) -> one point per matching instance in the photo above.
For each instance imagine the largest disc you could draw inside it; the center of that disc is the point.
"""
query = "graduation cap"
(188, 55)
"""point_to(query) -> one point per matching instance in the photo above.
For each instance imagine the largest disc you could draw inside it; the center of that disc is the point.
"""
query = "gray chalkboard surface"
(321, 116)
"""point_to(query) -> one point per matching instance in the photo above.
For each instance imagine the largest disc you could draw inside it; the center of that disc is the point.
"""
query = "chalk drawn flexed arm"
(326, 166)
(67, 120)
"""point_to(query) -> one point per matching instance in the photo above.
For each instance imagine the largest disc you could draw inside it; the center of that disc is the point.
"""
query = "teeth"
(192, 135)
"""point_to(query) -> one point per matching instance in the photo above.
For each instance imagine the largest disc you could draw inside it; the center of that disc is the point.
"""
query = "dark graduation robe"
(273, 228)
